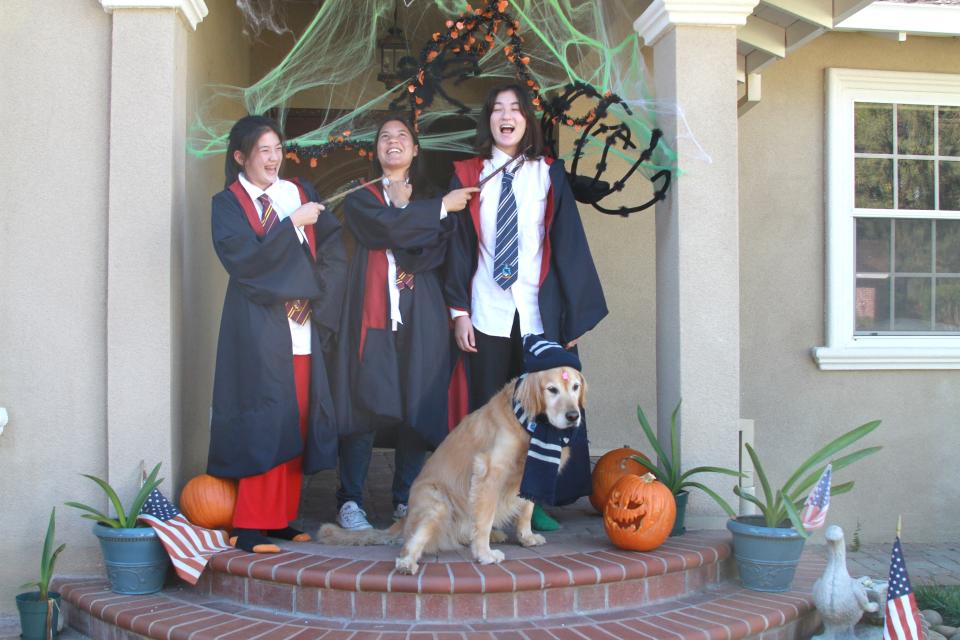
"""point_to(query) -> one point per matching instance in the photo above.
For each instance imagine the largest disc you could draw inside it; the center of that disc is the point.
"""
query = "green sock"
(542, 521)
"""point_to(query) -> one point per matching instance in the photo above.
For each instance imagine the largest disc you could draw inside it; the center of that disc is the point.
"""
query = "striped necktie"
(297, 310)
(507, 244)
(404, 280)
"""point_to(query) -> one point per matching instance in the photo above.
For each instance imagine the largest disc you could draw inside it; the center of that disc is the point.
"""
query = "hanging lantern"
(394, 50)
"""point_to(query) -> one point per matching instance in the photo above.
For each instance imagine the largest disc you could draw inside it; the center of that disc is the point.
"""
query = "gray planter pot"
(766, 557)
(136, 560)
(681, 500)
(33, 615)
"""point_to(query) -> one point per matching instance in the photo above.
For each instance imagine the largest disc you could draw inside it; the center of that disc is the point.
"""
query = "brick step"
(556, 580)
(721, 612)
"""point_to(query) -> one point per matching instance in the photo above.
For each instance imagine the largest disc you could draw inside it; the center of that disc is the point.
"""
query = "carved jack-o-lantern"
(640, 513)
(612, 466)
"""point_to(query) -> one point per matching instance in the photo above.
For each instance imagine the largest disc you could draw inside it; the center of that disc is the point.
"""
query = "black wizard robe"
(374, 385)
(255, 419)
(571, 298)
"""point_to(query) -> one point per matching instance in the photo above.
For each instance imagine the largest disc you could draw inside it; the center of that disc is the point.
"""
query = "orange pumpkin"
(612, 466)
(209, 502)
(639, 513)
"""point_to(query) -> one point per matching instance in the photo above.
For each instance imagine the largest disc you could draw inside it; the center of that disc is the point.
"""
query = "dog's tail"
(332, 534)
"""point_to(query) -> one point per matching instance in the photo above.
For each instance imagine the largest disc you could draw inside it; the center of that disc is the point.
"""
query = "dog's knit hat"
(540, 354)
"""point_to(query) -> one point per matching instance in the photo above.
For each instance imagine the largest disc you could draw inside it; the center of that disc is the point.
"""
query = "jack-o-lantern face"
(640, 513)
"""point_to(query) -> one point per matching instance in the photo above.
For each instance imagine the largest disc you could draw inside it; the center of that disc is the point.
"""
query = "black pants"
(497, 361)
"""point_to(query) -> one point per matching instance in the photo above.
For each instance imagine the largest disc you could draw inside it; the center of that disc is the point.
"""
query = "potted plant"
(40, 609)
(767, 547)
(135, 559)
(669, 471)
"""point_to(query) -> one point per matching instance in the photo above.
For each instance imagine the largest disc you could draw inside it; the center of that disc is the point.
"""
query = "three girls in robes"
(421, 262)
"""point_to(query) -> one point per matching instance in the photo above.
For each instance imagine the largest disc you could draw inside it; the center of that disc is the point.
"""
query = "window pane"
(948, 246)
(950, 131)
(911, 304)
(913, 243)
(874, 178)
(948, 304)
(873, 245)
(915, 129)
(949, 185)
(873, 127)
(873, 304)
(916, 184)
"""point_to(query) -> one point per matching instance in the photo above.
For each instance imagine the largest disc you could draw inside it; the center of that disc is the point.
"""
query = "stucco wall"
(218, 53)
(796, 406)
(53, 262)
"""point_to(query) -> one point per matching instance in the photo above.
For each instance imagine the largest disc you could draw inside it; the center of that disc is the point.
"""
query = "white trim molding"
(193, 11)
(918, 19)
(663, 15)
(845, 349)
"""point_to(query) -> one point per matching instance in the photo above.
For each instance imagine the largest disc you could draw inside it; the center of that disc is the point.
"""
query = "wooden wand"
(502, 167)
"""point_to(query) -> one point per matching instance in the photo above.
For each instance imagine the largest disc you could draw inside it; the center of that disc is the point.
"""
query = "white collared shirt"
(286, 199)
(392, 289)
(492, 308)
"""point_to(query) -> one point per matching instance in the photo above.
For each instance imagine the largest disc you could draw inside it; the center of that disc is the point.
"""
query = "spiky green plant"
(47, 560)
(786, 502)
(125, 519)
(944, 599)
(668, 468)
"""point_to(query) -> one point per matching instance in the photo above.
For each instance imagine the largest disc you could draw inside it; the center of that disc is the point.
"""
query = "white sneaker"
(400, 512)
(352, 517)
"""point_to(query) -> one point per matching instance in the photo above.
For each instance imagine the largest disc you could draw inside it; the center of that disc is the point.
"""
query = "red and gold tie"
(297, 310)
(404, 280)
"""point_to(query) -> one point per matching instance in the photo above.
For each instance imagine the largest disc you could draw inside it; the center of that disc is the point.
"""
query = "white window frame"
(844, 349)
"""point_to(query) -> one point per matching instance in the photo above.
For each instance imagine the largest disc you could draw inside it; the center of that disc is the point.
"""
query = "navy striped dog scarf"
(542, 467)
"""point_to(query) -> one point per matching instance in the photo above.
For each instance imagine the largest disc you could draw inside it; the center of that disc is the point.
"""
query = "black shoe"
(253, 541)
(289, 533)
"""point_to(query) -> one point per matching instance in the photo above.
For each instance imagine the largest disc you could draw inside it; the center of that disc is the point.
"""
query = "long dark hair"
(532, 136)
(422, 187)
(243, 137)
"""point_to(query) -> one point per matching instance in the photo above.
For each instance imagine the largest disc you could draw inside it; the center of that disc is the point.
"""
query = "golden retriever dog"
(469, 485)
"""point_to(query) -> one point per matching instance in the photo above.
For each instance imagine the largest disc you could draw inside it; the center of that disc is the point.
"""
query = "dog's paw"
(494, 556)
(407, 565)
(497, 536)
(532, 540)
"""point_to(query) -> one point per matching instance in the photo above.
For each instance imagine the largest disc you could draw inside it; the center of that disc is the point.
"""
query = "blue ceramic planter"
(681, 500)
(767, 557)
(136, 560)
(33, 615)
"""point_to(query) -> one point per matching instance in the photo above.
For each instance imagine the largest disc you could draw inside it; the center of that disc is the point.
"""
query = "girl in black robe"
(551, 287)
(272, 416)
(393, 356)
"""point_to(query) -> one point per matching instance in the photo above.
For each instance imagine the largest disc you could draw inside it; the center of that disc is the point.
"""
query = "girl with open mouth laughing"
(393, 356)
(519, 263)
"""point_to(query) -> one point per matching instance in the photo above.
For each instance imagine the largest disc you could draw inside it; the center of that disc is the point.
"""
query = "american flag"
(814, 513)
(902, 619)
(188, 545)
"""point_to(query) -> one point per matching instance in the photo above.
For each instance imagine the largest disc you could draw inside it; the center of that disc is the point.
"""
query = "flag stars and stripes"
(902, 617)
(188, 545)
(814, 514)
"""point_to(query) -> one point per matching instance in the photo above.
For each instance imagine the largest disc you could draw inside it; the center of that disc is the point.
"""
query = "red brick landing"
(683, 590)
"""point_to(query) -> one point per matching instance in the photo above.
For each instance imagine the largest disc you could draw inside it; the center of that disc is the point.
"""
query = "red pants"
(270, 500)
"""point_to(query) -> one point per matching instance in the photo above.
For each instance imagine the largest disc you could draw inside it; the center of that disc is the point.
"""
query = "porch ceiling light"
(395, 56)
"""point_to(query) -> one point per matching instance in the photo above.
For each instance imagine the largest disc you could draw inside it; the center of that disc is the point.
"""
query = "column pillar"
(145, 205)
(698, 293)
